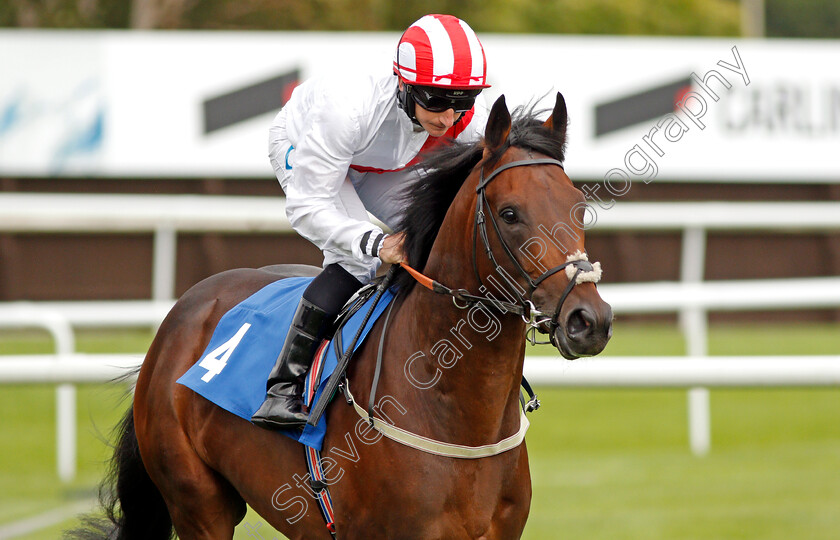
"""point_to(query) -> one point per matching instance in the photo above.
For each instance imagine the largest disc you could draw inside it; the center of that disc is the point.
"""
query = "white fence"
(602, 372)
(163, 215)
(692, 297)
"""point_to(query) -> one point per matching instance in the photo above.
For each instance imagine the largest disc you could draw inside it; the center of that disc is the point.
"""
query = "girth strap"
(320, 487)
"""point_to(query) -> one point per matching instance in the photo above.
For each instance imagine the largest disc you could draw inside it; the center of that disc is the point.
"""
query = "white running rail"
(167, 215)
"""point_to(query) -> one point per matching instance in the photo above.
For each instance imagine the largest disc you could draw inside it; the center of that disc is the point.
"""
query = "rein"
(464, 295)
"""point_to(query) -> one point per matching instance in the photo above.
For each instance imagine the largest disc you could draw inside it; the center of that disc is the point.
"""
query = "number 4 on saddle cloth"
(233, 369)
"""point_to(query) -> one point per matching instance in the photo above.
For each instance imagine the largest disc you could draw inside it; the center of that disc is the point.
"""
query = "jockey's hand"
(392, 249)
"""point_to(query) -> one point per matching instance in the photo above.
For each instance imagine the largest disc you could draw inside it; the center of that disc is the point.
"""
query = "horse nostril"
(579, 323)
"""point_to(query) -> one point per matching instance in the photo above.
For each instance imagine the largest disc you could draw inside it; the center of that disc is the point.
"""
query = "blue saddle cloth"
(233, 369)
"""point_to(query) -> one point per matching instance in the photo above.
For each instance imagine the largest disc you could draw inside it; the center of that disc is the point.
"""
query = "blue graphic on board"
(59, 132)
(83, 139)
(10, 114)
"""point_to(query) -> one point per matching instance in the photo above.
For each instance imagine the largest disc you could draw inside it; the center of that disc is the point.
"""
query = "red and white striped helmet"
(441, 51)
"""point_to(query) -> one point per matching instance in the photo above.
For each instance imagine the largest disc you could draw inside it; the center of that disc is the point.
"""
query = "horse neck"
(467, 363)
(474, 355)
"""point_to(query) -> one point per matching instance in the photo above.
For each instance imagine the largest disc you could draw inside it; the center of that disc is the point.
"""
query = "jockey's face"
(436, 123)
(438, 109)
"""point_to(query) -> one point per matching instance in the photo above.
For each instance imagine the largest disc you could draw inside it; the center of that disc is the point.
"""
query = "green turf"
(614, 464)
(605, 464)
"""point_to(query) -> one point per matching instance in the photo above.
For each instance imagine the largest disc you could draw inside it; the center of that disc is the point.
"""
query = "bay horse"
(451, 367)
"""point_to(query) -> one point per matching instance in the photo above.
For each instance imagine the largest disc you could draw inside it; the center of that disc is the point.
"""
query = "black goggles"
(441, 99)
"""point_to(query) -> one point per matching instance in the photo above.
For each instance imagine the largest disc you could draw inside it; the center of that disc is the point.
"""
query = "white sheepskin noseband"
(593, 276)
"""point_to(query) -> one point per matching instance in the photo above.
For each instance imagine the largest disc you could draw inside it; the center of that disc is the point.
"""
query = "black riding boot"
(311, 324)
(283, 405)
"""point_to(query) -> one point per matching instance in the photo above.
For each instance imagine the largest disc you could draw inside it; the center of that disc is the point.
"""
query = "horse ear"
(559, 117)
(498, 125)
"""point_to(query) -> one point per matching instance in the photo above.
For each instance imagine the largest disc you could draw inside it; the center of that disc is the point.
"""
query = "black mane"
(443, 172)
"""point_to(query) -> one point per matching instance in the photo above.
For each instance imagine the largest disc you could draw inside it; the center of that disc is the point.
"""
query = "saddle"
(351, 307)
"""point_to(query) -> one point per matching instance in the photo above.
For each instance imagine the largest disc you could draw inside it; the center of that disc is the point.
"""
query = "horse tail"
(134, 508)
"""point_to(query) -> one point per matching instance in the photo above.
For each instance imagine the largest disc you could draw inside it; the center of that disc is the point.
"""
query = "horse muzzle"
(584, 330)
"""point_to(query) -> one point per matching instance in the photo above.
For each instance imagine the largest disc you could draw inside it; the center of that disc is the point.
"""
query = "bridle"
(523, 306)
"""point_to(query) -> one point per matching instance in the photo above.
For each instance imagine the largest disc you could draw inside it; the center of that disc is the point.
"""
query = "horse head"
(530, 219)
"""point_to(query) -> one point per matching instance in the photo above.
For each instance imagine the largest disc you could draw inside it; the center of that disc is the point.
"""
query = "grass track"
(605, 464)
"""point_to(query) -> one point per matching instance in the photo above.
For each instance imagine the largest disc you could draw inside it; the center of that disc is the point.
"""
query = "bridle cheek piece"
(577, 267)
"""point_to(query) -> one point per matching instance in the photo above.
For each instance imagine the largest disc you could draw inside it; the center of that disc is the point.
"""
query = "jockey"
(342, 148)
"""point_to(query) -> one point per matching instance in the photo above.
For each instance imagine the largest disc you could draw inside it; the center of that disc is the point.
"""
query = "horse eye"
(508, 215)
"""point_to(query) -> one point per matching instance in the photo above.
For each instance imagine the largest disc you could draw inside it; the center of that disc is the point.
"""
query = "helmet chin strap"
(406, 101)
